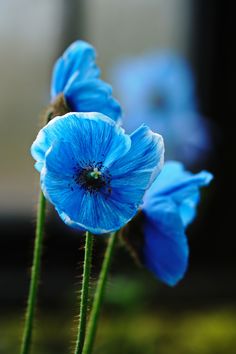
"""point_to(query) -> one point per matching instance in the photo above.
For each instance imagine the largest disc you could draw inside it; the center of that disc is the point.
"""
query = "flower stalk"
(35, 271)
(99, 295)
(84, 293)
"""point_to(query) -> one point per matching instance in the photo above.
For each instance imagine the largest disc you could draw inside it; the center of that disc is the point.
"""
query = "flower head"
(159, 89)
(76, 76)
(92, 172)
(169, 206)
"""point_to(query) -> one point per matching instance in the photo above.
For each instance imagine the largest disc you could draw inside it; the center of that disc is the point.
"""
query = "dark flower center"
(158, 101)
(93, 177)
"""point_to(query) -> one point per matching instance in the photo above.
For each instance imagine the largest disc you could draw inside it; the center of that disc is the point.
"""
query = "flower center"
(93, 177)
(158, 101)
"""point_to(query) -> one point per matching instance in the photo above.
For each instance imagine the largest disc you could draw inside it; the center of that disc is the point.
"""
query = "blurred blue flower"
(92, 172)
(75, 74)
(159, 90)
(169, 206)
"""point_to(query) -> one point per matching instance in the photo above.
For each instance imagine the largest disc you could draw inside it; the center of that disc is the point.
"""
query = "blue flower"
(169, 206)
(75, 75)
(92, 172)
(159, 90)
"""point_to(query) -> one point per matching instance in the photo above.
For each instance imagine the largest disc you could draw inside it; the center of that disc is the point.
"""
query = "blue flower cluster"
(98, 177)
(159, 90)
(91, 171)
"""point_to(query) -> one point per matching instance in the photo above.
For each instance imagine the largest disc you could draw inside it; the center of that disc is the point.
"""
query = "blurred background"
(140, 314)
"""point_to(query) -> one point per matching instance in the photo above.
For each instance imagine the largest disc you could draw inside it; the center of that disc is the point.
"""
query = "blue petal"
(172, 171)
(133, 172)
(38, 166)
(144, 160)
(79, 59)
(68, 221)
(97, 214)
(87, 132)
(46, 137)
(181, 186)
(62, 159)
(188, 208)
(165, 249)
(92, 96)
(61, 191)
(57, 182)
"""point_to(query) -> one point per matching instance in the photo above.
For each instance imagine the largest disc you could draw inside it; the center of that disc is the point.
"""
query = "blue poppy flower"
(76, 76)
(169, 206)
(92, 172)
(159, 90)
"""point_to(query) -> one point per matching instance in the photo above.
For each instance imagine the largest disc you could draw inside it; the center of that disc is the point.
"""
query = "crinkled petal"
(56, 129)
(38, 166)
(79, 58)
(165, 248)
(145, 157)
(92, 96)
(95, 136)
(134, 173)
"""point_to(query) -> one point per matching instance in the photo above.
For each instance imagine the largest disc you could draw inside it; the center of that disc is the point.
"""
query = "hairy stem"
(98, 297)
(32, 297)
(84, 293)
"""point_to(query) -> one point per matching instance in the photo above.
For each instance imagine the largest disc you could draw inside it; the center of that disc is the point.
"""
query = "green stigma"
(95, 173)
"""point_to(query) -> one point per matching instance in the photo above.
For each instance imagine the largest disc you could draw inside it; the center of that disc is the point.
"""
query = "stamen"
(93, 177)
(95, 173)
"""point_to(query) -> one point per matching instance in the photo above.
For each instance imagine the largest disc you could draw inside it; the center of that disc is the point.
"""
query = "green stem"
(98, 297)
(32, 297)
(84, 293)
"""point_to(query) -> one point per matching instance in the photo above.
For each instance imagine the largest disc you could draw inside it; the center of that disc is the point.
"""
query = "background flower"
(93, 173)
(76, 76)
(159, 89)
(169, 206)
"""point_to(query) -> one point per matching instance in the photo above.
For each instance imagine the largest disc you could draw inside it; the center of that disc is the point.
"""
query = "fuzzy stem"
(84, 293)
(98, 297)
(32, 297)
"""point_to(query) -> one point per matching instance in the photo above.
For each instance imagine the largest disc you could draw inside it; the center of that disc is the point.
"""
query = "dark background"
(197, 316)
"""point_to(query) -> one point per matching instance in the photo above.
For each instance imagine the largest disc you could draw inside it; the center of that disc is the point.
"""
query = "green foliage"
(203, 331)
